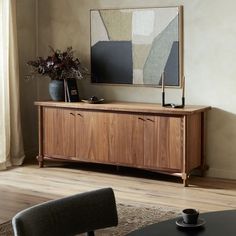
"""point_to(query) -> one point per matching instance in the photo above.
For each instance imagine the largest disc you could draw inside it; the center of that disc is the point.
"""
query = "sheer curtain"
(11, 145)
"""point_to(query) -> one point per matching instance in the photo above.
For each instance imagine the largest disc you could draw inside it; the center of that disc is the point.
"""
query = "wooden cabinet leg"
(185, 178)
(40, 126)
(204, 166)
(41, 164)
(185, 182)
(41, 161)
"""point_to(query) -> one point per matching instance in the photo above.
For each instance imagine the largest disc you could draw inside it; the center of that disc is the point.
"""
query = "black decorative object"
(180, 222)
(190, 216)
(71, 91)
(93, 100)
(172, 105)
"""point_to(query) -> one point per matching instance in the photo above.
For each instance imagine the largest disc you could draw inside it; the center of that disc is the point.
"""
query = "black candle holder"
(172, 105)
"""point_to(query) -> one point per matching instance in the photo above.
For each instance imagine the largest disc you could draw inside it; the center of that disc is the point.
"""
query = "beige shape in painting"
(162, 18)
(143, 22)
(140, 54)
(137, 76)
(118, 24)
(98, 30)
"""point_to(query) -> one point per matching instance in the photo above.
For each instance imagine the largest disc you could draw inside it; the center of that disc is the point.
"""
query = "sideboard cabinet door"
(92, 139)
(126, 139)
(163, 142)
(58, 133)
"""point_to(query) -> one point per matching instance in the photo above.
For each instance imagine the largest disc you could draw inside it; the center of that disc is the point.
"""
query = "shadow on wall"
(221, 143)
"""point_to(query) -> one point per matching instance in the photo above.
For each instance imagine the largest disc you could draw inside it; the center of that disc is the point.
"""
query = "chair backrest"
(80, 213)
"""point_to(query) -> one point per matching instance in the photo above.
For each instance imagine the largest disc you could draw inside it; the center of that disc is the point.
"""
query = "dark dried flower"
(59, 65)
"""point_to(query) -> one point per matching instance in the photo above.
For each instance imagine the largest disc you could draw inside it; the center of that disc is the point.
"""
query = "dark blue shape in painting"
(172, 66)
(111, 62)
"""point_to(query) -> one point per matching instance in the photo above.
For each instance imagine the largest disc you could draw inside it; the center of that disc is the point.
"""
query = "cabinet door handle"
(141, 119)
(72, 114)
(79, 115)
(150, 120)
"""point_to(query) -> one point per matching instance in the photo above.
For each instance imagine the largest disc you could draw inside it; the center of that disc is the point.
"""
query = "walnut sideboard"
(140, 135)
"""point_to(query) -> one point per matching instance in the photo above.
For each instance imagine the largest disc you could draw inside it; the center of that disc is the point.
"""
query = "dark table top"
(220, 223)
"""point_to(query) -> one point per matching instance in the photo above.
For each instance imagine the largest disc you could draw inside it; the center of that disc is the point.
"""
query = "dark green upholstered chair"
(85, 212)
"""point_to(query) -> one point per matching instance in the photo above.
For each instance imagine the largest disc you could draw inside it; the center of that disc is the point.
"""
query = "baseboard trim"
(221, 173)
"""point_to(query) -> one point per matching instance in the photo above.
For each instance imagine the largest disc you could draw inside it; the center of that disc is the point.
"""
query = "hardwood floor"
(28, 185)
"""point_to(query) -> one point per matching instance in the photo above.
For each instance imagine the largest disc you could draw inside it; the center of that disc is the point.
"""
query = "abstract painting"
(135, 46)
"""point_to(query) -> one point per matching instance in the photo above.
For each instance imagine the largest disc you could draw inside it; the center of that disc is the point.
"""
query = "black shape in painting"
(172, 66)
(111, 62)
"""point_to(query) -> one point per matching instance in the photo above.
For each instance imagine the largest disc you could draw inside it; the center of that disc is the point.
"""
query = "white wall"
(210, 54)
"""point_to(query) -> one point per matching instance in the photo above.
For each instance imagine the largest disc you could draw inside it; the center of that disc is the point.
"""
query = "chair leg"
(91, 233)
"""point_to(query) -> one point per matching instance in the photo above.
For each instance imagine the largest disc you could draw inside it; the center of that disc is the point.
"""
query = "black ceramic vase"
(56, 90)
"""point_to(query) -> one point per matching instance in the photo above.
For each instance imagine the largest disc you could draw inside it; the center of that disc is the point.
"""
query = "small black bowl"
(190, 216)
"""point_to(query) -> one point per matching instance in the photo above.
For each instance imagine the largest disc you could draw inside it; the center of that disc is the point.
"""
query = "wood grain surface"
(127, 107)
(28, 185)
(128, 134)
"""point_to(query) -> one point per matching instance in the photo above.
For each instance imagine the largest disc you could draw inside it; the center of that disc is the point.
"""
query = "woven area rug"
(135, 217)
(130, 218)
